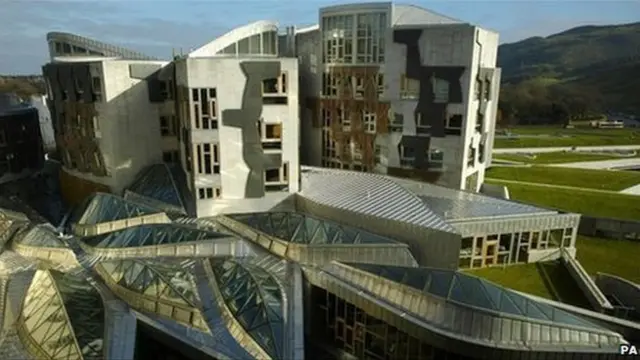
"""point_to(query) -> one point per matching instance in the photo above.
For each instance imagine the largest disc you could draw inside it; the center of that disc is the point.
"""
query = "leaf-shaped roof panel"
(150, 235)
(254, 298)
(470, 290)
(106, 207)
(64, 316)
(305, 229)
(169, 282)
(39, 236)
(161, 182)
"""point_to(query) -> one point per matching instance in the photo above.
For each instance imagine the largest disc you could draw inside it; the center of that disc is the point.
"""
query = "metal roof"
(306, 229)
(406, 15)
(369, 194)
(150, 235)
(102, 207)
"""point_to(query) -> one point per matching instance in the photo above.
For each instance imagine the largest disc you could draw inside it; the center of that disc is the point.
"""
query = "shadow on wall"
(128, 142)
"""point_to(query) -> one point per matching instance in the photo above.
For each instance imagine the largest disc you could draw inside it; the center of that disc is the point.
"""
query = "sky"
(155, 27)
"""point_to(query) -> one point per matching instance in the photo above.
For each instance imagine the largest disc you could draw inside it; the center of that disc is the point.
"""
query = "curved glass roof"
(64, 315)
(39, 236)
(304, 229)
(106, 207)
(165, 281)
(150, 235)
(473, 291)
(255, 300)
(159, 182)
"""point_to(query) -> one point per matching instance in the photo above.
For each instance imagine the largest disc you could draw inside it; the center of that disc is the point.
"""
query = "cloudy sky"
(157, 26)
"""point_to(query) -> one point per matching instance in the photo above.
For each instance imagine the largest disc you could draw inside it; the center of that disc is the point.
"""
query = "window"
(270, 135)
(277, 179)
(344, 119)
(396, 122)
(170, 156)
(209, 193)
(471, 159)
(205, 108)
(478, 89)
(358, 87)
(454, 122)
(66, 48)
(208, 159)
(487, 90)
(379, 155)
(356, 151)
(274, 91)
(273, 132)
(166, 89)
(164, 126)
(380, 88)
(3, 138)
(481, 151)
(369, 120)
(436, 158)
(409, 88)
(407, 152)
(329, 85)
(422, 126)
(326, 117)
(479, 120)
(337, 39)
(440, 90)
(370, 38)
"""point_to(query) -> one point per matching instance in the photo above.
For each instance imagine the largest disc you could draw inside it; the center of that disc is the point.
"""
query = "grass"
(549, 280)
(609, 256)
(558, 157)
(579, 136)
(618, 206)
(582, 178)
(520, 277)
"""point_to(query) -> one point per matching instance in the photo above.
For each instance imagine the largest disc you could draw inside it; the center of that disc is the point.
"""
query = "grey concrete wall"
(625, 291)
(610, 228)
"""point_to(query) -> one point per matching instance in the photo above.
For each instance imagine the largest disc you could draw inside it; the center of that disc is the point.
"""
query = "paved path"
(634, 190)
(553, 186)
(564, 148)
(602, 164)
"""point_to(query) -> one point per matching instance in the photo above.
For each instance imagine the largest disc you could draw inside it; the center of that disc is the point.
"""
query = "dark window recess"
(212, 93)
(275, 145)
(66, 48)
(274, 100)
(454, 125)
(272, 175)
(479, 120)
(481, 153)
(270, 86)
(194, 94)
(199, 156)
(164, 126)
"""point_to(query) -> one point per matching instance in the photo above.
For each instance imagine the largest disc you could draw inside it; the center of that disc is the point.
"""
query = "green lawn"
(617, 206)
(613, 257)
(521, 277)
(582, 178)
(580, 136)
(549, 280)
(558, 157)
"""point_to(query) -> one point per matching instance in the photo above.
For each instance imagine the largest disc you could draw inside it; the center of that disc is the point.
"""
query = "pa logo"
(628, 350)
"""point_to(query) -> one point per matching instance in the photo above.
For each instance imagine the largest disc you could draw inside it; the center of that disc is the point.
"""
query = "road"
(603, 164)
(564, 148)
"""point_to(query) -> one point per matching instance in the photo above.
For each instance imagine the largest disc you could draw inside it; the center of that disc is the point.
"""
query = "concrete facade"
(255, 139)
(425, 91)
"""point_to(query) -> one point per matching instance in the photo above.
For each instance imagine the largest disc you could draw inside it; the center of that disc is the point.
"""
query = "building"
(20, 142)
(399, 90)
(105, 103)
(333, 271)
(238, 111)
(46, 126)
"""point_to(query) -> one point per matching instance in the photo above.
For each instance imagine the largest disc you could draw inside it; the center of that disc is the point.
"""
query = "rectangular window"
(454, 122)
(165, 129)
(274, 91)
(436, 158)
(205, 193)
(208, 159)
(471, 158)
(409, 88)
(422, 126)
(440, 90)
(369, 121)
(277, 179)
(478, 89)
(487, 90)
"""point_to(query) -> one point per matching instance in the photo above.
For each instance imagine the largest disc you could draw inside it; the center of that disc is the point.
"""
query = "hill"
(22, 85)
(601, 60)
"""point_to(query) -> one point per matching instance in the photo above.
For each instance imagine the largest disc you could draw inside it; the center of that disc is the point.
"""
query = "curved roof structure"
(69, 45)
(150, 235)
(369, 194)
(62, 318)
(102, 207)
(162, 186)
(306, 229)
(39, 236)
(407, 15)
(255, 300)
(233, 42)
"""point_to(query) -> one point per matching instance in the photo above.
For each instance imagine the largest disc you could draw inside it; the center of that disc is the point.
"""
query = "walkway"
(552, 186)
(634, 190)
(564, 148)
(602, 164)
